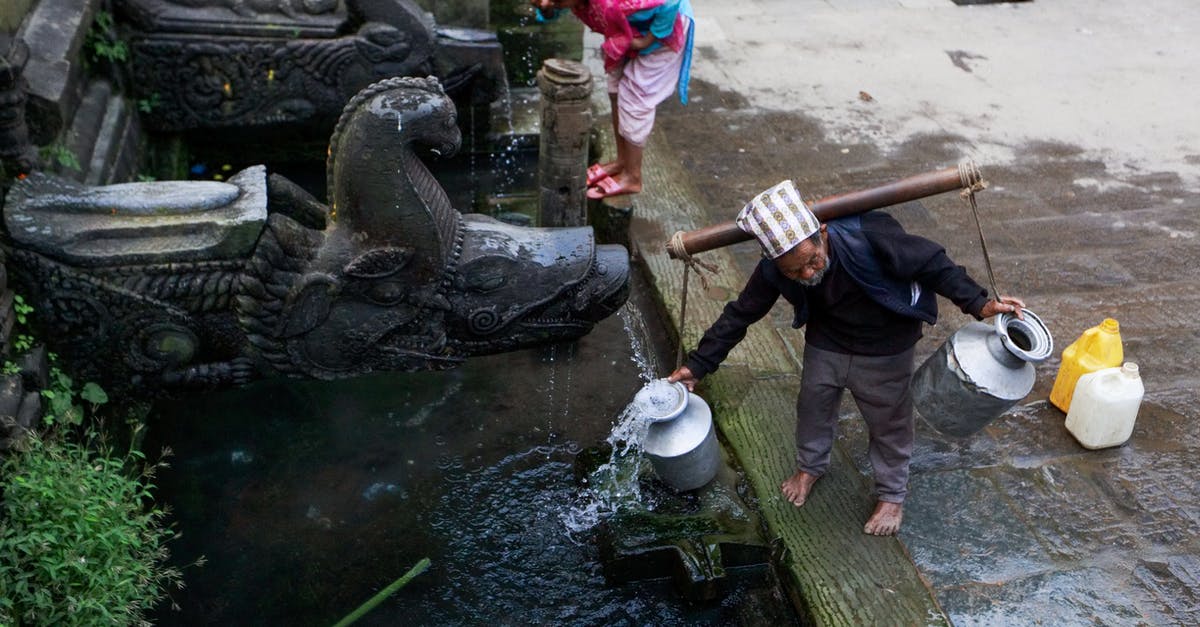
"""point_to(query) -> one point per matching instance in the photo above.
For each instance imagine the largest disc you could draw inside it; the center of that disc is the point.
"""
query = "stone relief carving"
(266, 63)
(250, 8)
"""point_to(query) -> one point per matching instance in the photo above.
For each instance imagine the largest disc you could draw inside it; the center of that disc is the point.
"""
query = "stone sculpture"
(207, 282)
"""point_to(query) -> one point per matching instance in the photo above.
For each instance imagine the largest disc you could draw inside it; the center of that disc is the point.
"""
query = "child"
(647, 55)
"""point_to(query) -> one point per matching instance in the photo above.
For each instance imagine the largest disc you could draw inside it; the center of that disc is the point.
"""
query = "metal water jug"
(681, 440)
(980, 372)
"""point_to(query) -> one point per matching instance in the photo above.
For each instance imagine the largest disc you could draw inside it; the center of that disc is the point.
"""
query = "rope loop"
(677, 249)
(972, 183)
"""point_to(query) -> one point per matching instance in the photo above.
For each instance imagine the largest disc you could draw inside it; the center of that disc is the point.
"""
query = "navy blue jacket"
(879, 287)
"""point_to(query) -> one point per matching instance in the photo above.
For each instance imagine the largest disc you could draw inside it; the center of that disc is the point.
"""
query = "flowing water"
(306, 498)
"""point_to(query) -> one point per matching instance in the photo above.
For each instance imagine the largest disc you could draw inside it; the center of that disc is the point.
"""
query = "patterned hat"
(778, 218)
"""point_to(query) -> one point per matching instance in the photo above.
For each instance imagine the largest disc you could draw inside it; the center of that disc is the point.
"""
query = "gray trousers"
(879, 386)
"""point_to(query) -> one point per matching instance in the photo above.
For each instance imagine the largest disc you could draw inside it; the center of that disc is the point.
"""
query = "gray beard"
(815, 279)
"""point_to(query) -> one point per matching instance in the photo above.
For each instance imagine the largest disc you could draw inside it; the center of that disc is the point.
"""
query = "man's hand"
(1005, 304)
(684, 375)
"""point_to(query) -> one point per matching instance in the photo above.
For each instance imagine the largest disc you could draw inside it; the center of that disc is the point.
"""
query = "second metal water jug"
(980, 372)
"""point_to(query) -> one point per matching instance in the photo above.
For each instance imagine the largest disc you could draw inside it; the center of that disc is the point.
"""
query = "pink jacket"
(610, 18)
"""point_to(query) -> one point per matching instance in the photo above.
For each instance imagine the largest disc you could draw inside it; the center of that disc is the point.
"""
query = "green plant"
(82, 542)
(61, 155)
(61, 396)
(102, 41)
(149, 103)
(23, 342)
(382, 595)
(22, 308)
(10, 368)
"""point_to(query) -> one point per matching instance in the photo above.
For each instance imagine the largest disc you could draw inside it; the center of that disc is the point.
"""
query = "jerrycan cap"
(661, 400)
(1111, 325)
(1029, 339)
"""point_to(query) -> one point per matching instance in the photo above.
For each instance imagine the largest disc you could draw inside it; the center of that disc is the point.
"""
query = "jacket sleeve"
(914, 258)
(755, 301)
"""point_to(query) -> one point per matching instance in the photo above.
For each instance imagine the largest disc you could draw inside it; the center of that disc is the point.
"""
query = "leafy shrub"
(103, 42)
(81, 542)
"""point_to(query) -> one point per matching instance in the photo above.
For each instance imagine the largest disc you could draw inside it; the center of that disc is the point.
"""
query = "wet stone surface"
(1019, 524)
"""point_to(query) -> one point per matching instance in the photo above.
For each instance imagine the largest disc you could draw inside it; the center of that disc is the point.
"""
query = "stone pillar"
(566, 88)
(15, 147)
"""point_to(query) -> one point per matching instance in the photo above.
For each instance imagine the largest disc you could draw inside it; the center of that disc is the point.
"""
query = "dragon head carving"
(401, 280)
(207, 282)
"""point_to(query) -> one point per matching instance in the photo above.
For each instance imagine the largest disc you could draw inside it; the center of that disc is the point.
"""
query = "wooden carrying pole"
(963, 176)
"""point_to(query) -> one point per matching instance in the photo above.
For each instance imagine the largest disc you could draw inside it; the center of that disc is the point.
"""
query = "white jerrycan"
(1105, 406)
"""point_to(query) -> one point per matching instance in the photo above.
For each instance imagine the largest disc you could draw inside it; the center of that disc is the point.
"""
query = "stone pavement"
(1079, 114)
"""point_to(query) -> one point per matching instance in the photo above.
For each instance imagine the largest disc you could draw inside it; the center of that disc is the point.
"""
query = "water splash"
(614, 484)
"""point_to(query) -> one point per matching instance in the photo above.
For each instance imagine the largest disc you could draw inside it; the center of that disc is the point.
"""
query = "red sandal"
(606, 187)
(595, 174)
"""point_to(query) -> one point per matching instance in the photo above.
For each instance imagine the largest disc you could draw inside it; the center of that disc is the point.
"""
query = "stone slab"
(132, 223)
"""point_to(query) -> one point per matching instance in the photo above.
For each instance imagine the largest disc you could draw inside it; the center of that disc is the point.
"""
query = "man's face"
(806, 263)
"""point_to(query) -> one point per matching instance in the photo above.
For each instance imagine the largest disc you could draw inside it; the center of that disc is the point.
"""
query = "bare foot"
(797, 487)
(628, 183)
(885, 521)
(612, 168)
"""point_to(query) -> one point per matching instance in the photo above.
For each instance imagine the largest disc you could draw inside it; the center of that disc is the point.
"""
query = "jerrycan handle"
(1090, 336)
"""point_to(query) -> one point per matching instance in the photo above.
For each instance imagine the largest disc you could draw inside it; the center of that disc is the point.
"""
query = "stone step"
(103, 138)
(84, 131)
(115, 153)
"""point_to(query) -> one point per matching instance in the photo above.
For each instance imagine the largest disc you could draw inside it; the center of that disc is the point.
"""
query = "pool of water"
(306, 498)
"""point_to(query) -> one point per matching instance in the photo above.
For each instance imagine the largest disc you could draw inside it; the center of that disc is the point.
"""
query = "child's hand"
(642, 42)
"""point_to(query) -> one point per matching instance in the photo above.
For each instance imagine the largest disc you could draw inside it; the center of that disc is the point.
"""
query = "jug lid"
(661, 399)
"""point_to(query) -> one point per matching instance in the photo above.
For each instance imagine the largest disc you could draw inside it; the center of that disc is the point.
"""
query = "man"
(862, 286)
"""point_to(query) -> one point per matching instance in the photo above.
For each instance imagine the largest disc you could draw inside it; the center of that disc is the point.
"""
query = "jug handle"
(1088, 338)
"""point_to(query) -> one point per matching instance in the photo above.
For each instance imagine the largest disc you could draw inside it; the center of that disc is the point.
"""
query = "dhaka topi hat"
(778, 219)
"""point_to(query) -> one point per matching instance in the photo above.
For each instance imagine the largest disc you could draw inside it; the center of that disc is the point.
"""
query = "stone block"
(129, 223)
(54, 32)
(30, 410)
(110, 144)
(35, 367)
(323, 19)
(84, 130)
(12, 391)
(465, 48)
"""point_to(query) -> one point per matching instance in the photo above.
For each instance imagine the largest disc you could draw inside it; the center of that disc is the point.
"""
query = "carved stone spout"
(179, 282)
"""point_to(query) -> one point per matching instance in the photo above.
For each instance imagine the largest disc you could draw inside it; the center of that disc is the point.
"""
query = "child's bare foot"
(885, 521)
(796, 488)
(612, 168)
(599, 171)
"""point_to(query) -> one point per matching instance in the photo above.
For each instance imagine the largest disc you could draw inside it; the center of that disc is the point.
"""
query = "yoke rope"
(689, 262)
(972, 182)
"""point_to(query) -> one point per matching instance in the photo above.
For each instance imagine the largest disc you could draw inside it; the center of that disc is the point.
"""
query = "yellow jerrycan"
(1099, 347)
